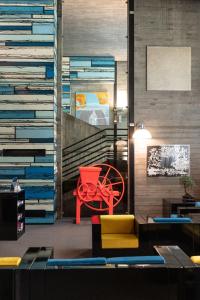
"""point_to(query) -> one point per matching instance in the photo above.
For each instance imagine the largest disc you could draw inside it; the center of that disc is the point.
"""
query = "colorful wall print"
(28, 101)
(84, 70)
(168, 160)
(93, 107)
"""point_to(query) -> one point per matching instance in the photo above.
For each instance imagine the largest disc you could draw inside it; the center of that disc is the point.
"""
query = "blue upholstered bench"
(172, 220)
(135, 260)
(100, 261)
(96, 261)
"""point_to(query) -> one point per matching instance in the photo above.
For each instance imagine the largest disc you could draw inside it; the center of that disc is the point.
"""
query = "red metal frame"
(97, 191)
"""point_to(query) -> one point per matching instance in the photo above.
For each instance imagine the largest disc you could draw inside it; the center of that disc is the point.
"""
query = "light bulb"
(141, 133)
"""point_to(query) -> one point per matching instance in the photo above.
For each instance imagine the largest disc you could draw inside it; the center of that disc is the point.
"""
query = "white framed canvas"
(169, 68)
(168, 160)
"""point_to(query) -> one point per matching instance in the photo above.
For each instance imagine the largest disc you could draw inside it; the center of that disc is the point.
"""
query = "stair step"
(75, 172)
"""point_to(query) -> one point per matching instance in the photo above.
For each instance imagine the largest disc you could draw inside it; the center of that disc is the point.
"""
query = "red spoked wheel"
(110, 180)
(86, 191)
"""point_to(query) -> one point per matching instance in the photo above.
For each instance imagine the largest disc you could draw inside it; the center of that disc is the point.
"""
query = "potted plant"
(188, 183)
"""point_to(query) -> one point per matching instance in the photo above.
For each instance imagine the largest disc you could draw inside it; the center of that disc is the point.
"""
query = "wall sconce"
(141, 133)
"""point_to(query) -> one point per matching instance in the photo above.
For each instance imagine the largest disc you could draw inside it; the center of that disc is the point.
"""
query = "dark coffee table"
(185, 235)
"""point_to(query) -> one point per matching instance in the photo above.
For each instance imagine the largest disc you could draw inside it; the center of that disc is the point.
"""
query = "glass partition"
(94, 92)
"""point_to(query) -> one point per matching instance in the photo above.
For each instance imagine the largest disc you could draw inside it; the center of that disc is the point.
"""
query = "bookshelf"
(12, 214)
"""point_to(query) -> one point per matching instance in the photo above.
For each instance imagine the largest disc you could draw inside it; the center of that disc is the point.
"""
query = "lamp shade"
(142, 133)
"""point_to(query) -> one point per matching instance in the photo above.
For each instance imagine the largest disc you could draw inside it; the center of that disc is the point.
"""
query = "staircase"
(96, 149)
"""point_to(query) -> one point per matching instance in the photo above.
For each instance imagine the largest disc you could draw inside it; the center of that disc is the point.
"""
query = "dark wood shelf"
(9, 211)
(171, 205)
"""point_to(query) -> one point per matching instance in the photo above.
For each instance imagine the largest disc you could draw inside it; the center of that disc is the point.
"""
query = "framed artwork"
(169, 68)
(168, 160)
(93, 107)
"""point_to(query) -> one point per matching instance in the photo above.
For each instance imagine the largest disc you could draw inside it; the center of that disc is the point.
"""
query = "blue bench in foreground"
(100, 261)
(169, 274)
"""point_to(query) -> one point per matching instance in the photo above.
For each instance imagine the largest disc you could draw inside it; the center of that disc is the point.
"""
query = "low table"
(189, 211)
(174, 256)
(185, 235)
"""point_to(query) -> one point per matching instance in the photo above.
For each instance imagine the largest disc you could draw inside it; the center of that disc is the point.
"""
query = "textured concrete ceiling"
(95, 28)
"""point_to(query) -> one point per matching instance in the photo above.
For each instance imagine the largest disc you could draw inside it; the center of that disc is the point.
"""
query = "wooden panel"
(22, 152)
(27, 57)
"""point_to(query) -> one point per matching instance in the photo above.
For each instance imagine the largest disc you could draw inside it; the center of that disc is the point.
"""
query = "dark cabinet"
(12, 215)
(171, 206)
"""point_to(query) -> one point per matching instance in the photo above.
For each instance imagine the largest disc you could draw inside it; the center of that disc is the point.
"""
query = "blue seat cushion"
(197, 204)
(135, 260)
(77, 261)
(172, 220)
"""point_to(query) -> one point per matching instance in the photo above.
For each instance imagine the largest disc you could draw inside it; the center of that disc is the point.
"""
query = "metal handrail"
(90, 146)
(103, 152)
(103, 130)
(75, 162)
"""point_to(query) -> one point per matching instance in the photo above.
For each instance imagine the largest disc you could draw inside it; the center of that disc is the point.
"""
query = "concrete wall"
(74, 130)
(95, 28)
(172, 117)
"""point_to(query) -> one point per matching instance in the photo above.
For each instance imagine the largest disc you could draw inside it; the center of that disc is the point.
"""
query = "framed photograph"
(93, 107)
(168, 160)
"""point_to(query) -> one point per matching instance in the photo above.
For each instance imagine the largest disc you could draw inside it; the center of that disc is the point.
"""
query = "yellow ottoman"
(10, 261)
(195, 259)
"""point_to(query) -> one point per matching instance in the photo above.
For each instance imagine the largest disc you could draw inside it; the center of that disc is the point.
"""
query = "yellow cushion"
(10, 261)
(117, 223)
(110, 241)
(195, 259)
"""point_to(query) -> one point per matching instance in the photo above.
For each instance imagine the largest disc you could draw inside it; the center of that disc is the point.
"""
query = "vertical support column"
(59, 196)
(115, 117)
(131, 155)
